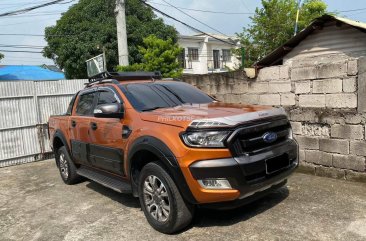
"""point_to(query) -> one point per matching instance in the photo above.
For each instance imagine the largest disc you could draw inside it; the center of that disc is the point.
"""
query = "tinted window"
(85, 104)
(71, 105)
(107, 97)
(147, 96)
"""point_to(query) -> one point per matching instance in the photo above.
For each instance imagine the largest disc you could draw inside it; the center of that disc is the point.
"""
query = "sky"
(34, 22)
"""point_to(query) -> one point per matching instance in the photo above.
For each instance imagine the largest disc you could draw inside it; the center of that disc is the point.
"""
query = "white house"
(204, 54)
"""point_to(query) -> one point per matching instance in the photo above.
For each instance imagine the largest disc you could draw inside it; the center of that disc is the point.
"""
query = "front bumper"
(251, 174)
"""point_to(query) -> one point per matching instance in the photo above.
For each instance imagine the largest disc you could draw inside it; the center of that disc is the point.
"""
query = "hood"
(210, 115)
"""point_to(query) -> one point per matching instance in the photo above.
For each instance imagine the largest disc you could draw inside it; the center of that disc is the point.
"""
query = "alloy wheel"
(64, 168)
(156, 198)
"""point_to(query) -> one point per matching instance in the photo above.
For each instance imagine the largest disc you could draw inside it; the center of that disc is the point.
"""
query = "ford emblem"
(269, 137)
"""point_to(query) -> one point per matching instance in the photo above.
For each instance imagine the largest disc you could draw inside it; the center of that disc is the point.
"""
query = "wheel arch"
(148, 149)
(58, 141)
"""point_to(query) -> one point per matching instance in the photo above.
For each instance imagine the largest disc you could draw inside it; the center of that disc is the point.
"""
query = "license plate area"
(276, 164)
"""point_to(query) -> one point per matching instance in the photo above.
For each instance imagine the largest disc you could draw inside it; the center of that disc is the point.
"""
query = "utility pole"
(297, 16)
(121, 32)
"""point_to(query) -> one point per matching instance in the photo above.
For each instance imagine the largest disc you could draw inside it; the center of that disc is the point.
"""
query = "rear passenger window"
(107, 97)
(85, 104)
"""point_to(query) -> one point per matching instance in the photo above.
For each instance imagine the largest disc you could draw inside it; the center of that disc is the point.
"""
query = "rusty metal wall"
(25, 107)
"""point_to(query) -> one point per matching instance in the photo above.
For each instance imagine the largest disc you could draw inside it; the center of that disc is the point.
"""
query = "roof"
(211, 37)
(51, 67)
(275, 56)
(28, 72)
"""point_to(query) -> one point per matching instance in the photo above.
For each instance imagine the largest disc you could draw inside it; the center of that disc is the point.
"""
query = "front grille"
(249, 139)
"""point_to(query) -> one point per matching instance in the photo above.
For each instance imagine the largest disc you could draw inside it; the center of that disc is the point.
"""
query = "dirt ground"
(36, 205)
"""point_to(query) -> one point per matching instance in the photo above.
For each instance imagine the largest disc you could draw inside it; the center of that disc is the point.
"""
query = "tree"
(158, 54)
(273, 24)
(1, 56)
(90, 25)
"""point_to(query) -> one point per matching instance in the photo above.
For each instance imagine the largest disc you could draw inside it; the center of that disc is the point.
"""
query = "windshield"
(154, 95)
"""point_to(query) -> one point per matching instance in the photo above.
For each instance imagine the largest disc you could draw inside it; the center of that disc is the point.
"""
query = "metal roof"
(276, 56)
(28, 72)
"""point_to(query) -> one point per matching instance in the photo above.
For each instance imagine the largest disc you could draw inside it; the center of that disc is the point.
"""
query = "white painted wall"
(205, 46)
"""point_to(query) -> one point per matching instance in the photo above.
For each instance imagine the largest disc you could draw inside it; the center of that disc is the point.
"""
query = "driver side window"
(107, 97)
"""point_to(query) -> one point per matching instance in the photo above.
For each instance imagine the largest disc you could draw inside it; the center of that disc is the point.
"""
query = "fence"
(24, 110)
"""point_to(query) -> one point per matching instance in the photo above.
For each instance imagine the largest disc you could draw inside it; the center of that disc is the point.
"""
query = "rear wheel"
(67, 167)
(163, 205)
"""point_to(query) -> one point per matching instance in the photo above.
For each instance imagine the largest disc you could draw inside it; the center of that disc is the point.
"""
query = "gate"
(25, 107)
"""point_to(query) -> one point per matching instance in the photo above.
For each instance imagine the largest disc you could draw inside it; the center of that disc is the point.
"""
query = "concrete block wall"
(326, 104)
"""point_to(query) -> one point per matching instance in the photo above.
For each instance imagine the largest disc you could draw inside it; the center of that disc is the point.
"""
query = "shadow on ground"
(206, 217)
(125, 199)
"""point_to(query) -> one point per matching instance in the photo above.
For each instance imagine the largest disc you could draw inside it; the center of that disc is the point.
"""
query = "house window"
(182, 58)
(226, 55)
(193, 54)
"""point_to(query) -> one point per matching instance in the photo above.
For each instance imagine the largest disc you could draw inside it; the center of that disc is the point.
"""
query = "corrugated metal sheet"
(59, 87)
(17, 112)
(276, 56)
(19, 142)
(330, 40)
(16, 88)
(26, 107)
(52, 105)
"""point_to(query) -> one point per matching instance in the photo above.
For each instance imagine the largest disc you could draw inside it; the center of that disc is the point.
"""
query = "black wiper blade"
(173, 93)
(153, 108)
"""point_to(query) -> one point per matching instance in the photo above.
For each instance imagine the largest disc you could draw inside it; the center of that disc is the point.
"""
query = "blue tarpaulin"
(28, 72)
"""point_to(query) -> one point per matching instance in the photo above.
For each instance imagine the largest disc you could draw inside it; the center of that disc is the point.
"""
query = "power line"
(36, 35)
(20, 47)
(195, 19)
(245, 6)
(201, 10)
(185, 24)
(25, 10)
(31, 15)
(352, 10)
(19, 23)
(20, 51)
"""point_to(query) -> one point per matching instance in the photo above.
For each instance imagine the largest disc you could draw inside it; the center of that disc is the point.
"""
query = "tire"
(67, 167)
(180, 213)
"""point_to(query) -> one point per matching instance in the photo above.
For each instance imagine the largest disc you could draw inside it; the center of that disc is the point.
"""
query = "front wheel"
(163, 205)
(67, 167)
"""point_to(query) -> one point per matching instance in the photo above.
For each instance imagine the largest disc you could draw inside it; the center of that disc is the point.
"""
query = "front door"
(79, 126)
(106, 142)
(216, 59)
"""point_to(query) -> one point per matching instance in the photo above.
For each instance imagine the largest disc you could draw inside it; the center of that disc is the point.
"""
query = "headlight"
(205, 138)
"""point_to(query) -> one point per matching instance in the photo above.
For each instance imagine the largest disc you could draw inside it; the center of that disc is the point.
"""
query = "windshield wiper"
(153, 108)
(173, 93)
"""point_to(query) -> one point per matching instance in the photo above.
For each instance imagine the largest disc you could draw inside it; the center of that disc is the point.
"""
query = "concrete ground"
(36, 205)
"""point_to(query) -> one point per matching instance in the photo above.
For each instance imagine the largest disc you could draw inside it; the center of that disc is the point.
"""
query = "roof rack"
(114, 77)
(136, 75)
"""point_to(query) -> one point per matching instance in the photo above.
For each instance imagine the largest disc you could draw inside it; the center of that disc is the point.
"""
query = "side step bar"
(105, 179)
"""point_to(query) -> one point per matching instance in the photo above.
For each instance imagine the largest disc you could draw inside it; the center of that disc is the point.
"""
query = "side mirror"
(113, 110)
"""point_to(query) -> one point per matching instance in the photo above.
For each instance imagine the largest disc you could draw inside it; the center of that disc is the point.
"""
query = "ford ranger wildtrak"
(172, 146)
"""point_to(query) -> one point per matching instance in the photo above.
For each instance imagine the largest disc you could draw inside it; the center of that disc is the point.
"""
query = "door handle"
(93, 125)
(73, 123)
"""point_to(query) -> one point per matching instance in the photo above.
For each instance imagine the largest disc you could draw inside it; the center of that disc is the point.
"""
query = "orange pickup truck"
(172, 146)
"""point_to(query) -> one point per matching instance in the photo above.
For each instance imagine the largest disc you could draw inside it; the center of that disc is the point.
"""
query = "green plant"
(158, 55)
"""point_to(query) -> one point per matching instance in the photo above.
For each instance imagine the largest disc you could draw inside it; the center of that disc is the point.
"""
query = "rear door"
(106, 142)
(80, 126)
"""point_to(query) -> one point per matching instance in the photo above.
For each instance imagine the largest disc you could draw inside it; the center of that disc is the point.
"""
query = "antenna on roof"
(297, 16)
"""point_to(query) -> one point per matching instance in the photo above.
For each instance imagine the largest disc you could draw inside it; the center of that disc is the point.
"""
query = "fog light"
(211, 183)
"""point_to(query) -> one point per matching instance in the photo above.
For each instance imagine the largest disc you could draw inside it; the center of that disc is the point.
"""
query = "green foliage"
(1, 56)
(91, 23)
(158, 55)
(273, 24)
